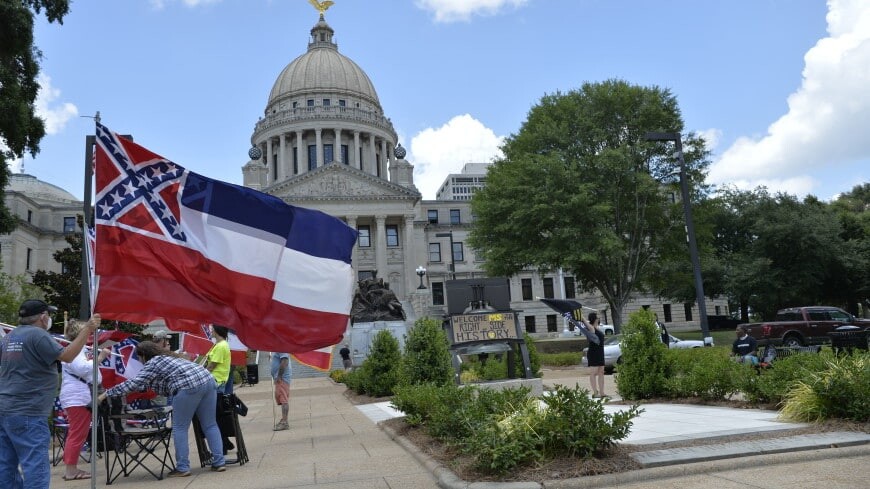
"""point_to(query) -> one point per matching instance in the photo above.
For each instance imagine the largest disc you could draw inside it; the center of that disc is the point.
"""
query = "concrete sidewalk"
(335, 444)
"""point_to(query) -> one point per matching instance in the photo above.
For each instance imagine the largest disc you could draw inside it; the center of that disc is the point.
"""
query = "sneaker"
(178, 473)
(281, 426)
(219, 468)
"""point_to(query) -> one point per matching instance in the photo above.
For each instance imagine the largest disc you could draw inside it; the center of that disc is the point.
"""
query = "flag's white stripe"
(320, 284)
(239, 248)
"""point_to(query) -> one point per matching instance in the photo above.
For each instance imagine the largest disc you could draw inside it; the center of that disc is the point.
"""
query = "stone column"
(411, 279)
(384, 157)
(351, 221)
(355, 157)
(336, 146)
(319, 142)
(282, 158)
(373, 154)
(380, 233)
(301, 153)
(270, 161)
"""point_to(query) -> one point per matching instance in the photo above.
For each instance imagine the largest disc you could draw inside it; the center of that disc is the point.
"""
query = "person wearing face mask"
(28, 385)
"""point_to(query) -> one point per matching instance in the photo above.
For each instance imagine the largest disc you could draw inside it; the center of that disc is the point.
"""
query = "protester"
(744, 347)
(281, 375)
(163, 339)
(75, 398)
(28, 383)
(345, 357)
(595, 356)
(192, 388)
(219, 358)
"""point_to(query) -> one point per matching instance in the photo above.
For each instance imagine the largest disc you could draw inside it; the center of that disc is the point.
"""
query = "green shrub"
(707, 373)
(426, 358)
(577, 425)
(841, 390)
(337, 375)
(564, 359)
(534, 358)
(774, 382)
(494, 368)
(644, 369)
(565, 422)
(379, 373)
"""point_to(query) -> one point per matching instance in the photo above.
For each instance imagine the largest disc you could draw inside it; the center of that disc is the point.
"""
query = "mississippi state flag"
(175, 245)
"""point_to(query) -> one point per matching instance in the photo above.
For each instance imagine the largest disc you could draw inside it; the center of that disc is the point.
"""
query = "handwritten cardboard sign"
(484, 327)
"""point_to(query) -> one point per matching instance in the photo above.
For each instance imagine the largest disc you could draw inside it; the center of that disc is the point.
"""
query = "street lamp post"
(449, 234)
(690, 229)
(421, 272)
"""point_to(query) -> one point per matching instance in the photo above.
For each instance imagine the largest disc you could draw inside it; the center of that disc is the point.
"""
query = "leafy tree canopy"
(580, 188)
(20, 128)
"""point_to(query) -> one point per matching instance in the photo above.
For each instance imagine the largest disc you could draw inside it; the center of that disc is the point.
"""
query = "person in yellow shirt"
(218, 358)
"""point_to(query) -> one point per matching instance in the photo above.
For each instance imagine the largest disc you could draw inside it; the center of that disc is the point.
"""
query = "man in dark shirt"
(345, 357)
(744, 347)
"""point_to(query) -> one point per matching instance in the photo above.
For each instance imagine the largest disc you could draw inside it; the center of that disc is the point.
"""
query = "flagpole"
(85, 305)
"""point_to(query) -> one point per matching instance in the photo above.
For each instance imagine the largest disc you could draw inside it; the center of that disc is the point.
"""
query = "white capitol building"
(324, 142)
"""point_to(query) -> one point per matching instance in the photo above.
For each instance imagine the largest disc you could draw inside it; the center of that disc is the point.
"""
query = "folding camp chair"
(136, 438)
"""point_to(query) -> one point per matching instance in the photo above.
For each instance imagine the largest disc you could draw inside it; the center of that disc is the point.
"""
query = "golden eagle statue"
(321, 6)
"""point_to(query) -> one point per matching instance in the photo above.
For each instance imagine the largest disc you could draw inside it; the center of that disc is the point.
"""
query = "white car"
(607, 329)
(613, 351)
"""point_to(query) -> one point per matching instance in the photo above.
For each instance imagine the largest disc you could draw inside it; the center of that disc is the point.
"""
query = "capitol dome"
(37, 189)
(322, 69)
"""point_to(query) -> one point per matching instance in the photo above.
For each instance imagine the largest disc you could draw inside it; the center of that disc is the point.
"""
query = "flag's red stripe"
(317, 359)
(278, 326)
(210, 284)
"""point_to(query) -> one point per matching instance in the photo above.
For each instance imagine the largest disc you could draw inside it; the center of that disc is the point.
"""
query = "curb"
(447, 479)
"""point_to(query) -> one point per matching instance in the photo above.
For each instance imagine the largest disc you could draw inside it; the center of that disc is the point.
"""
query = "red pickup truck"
(801, 326)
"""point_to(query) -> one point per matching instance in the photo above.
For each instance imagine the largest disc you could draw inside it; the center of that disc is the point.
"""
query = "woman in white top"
(75, 397)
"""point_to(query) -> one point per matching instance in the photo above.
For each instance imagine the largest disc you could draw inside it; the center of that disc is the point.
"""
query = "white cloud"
(799, 186)
(462, 10)
(437, 152)
(827, 117)
(712, 137)
(55, 114)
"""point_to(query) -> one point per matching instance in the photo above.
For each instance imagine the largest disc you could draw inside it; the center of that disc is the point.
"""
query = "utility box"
(362, 335)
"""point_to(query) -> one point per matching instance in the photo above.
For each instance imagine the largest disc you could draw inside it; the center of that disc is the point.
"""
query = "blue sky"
(779, 87)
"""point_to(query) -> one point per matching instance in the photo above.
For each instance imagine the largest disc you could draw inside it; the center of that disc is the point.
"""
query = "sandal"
(78, 476)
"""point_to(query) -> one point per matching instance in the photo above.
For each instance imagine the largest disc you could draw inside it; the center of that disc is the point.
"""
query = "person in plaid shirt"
(192, 388)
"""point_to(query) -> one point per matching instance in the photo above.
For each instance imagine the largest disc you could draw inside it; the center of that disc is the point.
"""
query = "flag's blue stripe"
(318, 234)
(308, 231)
(237, 204)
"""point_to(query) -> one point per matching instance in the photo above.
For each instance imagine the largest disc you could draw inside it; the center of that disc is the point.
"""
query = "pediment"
(336, 181)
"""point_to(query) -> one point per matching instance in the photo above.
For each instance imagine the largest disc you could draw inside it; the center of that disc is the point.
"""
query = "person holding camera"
(75, 399)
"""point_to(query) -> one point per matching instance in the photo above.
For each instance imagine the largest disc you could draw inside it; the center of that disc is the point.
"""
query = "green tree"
(580, 188)
(426, 358)
(64, 289)
(14, 291)
(781, 252)
(20, 128)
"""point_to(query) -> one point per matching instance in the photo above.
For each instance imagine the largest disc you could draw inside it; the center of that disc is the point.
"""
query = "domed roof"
(37, 189)
(323, 69)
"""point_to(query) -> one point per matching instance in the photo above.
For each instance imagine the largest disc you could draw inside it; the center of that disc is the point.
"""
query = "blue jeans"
(24, 440)
(201, 401)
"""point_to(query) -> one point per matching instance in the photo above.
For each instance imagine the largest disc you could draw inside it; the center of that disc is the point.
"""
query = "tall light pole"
(421, 271)
(690, 229)
(449, 234)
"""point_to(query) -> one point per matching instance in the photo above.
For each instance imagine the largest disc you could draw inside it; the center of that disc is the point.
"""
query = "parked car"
(607, 329)
(801, 326)
(722, 322)
(613, 350)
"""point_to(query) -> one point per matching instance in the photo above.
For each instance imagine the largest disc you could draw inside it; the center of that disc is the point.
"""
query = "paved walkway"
(335, 444)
